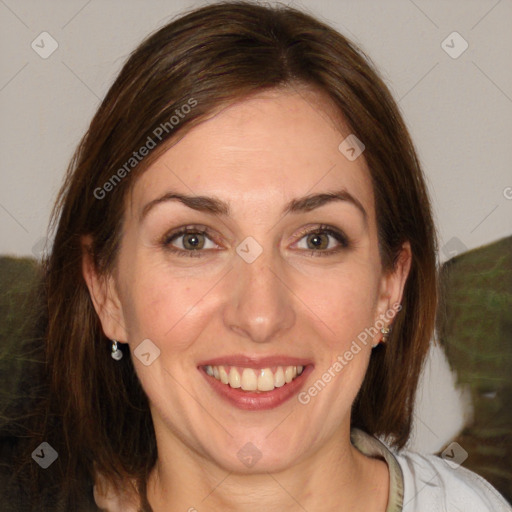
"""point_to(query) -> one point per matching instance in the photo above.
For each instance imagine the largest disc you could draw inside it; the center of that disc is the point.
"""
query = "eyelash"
(339, 236)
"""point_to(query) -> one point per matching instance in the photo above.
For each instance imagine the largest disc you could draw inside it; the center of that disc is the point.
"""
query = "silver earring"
(116, 352)
(385, 335)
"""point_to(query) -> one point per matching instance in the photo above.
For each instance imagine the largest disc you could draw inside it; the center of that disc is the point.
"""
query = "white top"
(421, 483)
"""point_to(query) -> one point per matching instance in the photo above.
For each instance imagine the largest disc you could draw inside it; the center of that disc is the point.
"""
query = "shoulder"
(443, 486)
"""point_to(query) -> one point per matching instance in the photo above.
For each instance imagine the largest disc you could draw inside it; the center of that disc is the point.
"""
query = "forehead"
(267, 149)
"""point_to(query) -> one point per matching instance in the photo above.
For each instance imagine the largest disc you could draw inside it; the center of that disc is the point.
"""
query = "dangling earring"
(116, 352)
(385, 335)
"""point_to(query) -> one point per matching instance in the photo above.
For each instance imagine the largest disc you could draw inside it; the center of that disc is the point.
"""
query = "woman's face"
(274, 276)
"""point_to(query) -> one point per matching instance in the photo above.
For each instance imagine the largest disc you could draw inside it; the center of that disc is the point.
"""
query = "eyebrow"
(216, 206)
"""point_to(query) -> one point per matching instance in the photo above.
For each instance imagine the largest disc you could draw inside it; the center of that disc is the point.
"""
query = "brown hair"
(96, 414)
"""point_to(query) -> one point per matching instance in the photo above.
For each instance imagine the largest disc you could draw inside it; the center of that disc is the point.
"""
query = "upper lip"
(255, 361)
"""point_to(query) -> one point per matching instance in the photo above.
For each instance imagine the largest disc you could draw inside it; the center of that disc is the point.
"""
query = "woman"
(242, 286)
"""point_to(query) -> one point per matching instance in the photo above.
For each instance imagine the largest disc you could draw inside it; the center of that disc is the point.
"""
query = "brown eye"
(322, 240)
(317, 241)
(193, 241)
(189, 241)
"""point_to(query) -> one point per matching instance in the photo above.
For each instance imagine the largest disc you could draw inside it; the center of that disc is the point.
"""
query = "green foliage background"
(475, 327)
(18, 278)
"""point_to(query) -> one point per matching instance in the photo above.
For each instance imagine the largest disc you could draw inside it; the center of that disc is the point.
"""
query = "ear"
(103, 294)
(392, 286)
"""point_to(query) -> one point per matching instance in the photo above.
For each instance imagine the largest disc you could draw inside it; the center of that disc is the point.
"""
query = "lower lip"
(252, 401)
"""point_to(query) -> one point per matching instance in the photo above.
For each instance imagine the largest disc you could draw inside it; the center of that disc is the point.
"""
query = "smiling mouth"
(251, 379)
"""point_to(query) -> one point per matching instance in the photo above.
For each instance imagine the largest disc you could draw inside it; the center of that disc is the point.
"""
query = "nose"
(260, 305)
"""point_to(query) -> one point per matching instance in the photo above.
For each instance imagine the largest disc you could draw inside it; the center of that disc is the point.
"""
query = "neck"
(336, 478)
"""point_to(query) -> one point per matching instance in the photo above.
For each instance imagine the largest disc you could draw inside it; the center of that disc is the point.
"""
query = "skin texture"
(256, 155)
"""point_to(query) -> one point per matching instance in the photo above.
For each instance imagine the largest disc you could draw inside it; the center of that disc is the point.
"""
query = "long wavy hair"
(92, 410)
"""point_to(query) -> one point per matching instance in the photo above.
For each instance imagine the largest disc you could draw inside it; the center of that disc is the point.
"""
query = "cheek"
(346, 305)
(344, 302)
(164, 308)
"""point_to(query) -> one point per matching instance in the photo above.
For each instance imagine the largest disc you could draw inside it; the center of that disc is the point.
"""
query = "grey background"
(459, 112)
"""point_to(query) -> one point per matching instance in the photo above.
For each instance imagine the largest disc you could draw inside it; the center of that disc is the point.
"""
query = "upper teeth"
(250, 379)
